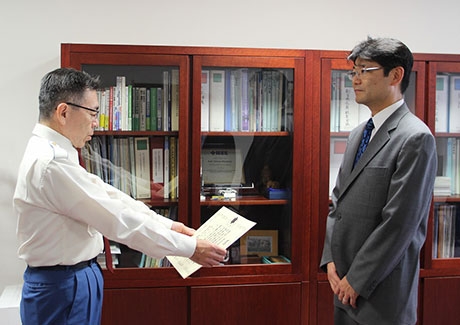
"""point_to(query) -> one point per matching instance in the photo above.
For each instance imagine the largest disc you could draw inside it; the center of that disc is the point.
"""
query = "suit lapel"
(379, 140)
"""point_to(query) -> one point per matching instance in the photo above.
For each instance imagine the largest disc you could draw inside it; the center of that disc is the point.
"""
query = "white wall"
(31, 32)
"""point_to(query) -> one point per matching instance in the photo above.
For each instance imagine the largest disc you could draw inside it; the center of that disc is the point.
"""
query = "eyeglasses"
(96, 111)
(361, 71)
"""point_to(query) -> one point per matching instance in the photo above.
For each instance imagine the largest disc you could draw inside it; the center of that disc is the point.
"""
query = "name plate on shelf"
(222, 167)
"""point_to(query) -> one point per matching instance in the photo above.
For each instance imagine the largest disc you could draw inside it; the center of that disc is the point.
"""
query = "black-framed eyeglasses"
(96, 111)
(359, 72)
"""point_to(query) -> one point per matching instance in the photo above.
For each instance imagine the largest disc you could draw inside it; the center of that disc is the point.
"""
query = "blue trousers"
(63, 297)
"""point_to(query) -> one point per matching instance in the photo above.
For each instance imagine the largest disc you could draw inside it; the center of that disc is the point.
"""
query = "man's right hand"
(208, 254)
(333, 277)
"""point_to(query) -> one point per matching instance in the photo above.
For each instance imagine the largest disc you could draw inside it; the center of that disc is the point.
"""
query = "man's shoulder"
(57, 151)
(45, 150)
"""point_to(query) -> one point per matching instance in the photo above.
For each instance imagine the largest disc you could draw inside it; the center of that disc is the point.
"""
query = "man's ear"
(61, 112)
(397, 75)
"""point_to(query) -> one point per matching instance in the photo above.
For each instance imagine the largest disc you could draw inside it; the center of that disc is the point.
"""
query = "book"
(132, 165)
(445, 223)
(142, 98)
(233, 100)
(157, 184)
(135, 109)
(125, 159)
(147, 109)
(142, 158)
(442, 103)
(217, 100)
(205, 100)
(166, 176)
(454, 105)
(129, 110)
(153, 109)
(111, 109)
(174, 100)
(244, 106)
(159, 109)
(122, 108)
(107, 113)
(166, 115)
(173, 165)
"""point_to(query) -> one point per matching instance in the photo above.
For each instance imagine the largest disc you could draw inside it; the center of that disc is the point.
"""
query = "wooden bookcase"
(439, 276)
(298, 157)
(138, 293)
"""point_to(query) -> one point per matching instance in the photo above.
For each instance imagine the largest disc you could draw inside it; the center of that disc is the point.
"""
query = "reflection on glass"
(246, 148)
(124, 162)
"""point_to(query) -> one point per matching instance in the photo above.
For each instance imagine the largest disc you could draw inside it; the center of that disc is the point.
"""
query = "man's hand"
(333, 277)
(347, 295)
(208, 254)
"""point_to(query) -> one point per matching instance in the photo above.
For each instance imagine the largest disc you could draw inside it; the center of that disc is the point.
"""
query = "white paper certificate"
(222, 229)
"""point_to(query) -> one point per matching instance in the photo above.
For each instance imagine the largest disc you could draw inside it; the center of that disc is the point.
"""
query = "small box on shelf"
(277, 193)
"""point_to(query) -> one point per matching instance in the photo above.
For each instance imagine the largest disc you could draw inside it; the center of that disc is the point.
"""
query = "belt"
(74, 267)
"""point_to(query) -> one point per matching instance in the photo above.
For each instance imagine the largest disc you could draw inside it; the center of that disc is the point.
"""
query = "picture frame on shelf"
(260, 243)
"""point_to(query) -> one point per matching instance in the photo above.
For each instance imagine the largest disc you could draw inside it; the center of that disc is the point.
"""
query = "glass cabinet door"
(244, 132)
(142, 128)
(446, 115)
(346, 113)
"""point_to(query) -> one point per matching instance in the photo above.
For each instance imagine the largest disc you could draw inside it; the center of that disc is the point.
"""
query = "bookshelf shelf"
(137, 133)
(246, 200)
(450, 198)
(447, 135)
(246, 134)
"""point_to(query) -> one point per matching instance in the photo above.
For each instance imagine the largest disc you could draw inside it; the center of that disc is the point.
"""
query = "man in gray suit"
(378, 221)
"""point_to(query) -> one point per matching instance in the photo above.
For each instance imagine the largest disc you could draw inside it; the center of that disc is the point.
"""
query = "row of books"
(345, 112)
(125, 163)
(246, 100)
(447, 117)
(448, 151)
(445, 223)
(140, 107)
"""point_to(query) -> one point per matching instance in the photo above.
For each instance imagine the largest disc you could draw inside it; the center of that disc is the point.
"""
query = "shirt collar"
(384, 114)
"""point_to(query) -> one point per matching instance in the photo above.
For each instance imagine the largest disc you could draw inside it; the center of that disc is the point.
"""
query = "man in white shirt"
(63, 211)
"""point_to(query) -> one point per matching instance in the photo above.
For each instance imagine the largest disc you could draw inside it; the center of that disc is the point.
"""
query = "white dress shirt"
(383, 115)
(63, 210)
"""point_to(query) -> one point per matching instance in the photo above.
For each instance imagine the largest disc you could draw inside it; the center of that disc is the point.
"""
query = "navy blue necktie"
(365, 140)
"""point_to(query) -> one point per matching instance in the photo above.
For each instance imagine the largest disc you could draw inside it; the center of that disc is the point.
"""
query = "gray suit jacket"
(378, 221)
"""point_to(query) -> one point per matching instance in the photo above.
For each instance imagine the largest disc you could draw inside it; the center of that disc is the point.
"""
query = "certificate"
(222, 167)
(222, 229)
